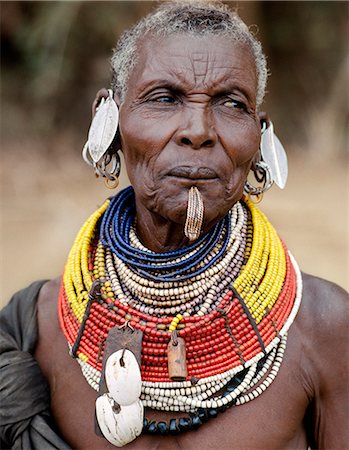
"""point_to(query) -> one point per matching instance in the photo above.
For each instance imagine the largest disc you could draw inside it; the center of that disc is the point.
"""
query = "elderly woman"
(180, 307)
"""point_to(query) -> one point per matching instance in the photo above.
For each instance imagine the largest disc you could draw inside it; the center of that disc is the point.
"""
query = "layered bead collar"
(231, 297)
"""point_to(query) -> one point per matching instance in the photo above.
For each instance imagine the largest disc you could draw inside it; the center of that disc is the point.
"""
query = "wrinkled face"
(189, 119)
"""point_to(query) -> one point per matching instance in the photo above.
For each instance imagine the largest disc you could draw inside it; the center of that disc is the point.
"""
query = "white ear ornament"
(103, 127)
(274, 155)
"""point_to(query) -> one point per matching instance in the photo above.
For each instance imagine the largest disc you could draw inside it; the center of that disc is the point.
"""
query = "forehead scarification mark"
(200, 65)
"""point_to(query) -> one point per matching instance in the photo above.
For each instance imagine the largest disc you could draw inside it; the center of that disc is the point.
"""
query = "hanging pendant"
(177, 358)
(119, 411)
(119, 424)
(123, 377)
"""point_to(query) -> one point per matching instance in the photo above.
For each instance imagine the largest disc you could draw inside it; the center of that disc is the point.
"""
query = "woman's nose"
(197, 130)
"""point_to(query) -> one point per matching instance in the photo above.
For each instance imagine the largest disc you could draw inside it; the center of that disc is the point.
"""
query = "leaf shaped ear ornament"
(102, 131)
(103, 127)
(274, 155)
(97, 151)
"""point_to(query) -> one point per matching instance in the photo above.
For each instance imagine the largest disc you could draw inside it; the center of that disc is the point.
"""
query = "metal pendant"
(274, 155)
(103, 127)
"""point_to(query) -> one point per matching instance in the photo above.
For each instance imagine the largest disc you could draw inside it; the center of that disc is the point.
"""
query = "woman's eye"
(164, 99)
(230, 103)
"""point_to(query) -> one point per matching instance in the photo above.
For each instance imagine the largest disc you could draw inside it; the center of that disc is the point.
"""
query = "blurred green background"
(55, 56)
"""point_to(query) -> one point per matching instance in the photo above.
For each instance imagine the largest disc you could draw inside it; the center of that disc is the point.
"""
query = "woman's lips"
(193, 173)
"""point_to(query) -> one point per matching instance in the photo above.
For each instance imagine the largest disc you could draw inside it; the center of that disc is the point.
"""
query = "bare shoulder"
(48, 304)
(49, 292)
(323, 325)
(325, 308)
(48, 322)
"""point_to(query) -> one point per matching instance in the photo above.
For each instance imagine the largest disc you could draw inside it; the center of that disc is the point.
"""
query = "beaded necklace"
(231, 296)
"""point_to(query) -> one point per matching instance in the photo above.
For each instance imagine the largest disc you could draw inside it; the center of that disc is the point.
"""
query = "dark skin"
(204, 99)
(203, 91)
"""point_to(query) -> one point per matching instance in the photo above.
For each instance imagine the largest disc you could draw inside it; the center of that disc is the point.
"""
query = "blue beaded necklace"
(171, 266)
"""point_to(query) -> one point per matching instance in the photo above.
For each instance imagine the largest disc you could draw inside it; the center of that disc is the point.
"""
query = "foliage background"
(54, 57)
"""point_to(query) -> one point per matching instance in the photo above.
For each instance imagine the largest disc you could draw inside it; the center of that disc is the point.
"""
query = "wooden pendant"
(177, 359)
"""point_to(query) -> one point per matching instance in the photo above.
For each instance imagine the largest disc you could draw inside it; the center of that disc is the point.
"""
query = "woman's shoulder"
(25, 397)
(48, 296)
(47, 317)
(325, 305)
(18, 319)
(321, 332)
(322, 322)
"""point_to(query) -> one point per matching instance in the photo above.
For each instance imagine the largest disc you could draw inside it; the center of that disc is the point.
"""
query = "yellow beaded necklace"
(77, 277)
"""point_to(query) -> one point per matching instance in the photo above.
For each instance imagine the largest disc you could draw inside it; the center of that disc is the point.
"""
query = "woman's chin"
(170, 201)
(213, 213)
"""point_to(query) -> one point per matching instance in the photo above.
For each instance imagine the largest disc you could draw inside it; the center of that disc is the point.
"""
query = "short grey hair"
(195, 18)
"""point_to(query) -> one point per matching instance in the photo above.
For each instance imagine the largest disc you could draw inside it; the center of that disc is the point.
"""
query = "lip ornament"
(193, 173)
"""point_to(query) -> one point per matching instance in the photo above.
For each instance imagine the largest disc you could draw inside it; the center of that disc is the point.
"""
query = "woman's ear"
(102, 93)
(256, 159)
(117, 140)
(263, 118)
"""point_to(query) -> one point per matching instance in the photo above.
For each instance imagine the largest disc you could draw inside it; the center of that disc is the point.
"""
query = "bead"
(212, 412)
(152, 428)
(196, 422)
(162, 428)
(173, 427)
(184, 424)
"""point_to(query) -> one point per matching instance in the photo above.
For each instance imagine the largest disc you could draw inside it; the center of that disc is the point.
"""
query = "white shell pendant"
(273, 154)
(119, 424)
(103, 128)
(123, 377)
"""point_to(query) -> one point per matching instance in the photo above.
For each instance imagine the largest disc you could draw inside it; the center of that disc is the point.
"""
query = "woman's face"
(189, 119)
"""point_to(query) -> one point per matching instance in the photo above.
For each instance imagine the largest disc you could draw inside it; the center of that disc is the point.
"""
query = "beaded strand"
(232, 297)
